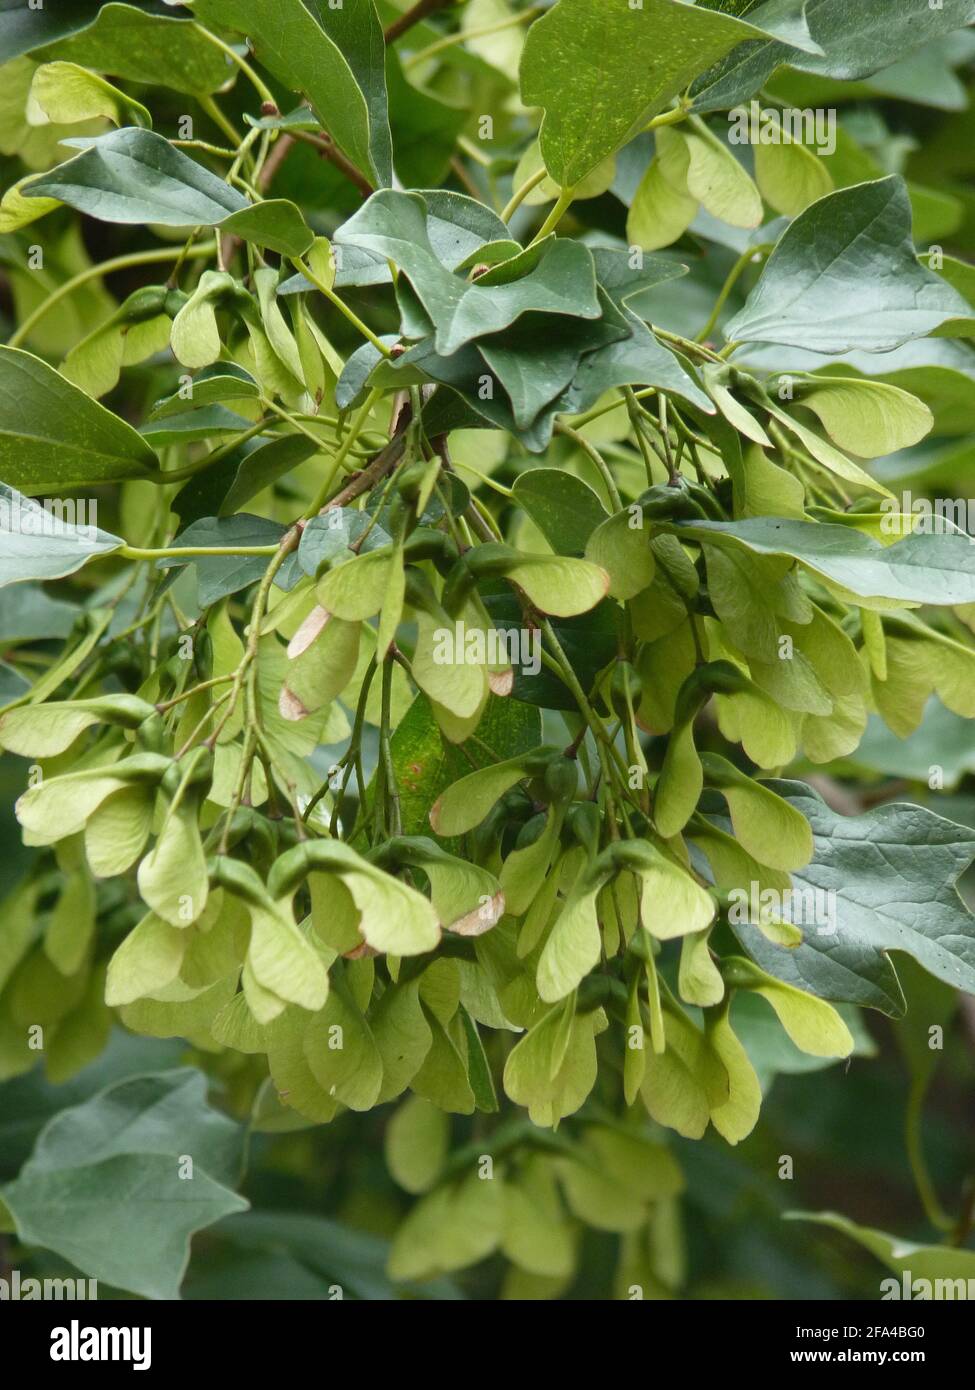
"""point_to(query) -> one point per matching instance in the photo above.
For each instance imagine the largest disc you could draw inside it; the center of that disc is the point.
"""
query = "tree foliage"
(453, 503)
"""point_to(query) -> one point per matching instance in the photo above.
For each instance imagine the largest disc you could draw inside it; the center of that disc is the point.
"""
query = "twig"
(384, 462)
(423, 9)
(328, 149)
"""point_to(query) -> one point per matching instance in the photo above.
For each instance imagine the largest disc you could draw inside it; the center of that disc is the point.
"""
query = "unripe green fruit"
(531, 831)
(583, 823)
(561, 779)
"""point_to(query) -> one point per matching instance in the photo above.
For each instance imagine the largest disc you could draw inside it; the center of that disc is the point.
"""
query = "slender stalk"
(423, 9)
(687, 344)
(347, 494)
(205, 146)
(520, 194)
(734, 275)
(395, 820)
(340, 304)
(462, 35)
(915, 1155)
(196, 690)
(598, 411)
(555, 216)
(674, 117)
(289, 542)
(92, 272)
(593, 453)
(636, 421)
(219, 119)
(132, 552)
(260, 87)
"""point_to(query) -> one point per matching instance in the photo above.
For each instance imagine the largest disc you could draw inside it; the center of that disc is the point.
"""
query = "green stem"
(737, 270)
(462, 35)
(262, 89)
(593, 453)
(599, 410)
(340, 304)
(674, 117)
(555, 216)
(219, 119)
(321, 497)
(289, 542)
(196, 690)
(170, 253)
(132, 552)
(391, 791)
(520, 194)
(636, 421)
(915, 1156)
(687, 344)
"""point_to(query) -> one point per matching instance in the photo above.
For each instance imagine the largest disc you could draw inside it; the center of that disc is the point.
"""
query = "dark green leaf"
(191, 425)
(157, 49)
(54, 436)
(426, 765)
(224, 381)
(305, 53)
(134, 175)
(25, 27)
(395, 225)
(855, 41)
(919, 569)
(219, 575)
(563, 507)
(893, 872)
(275, 223)
(103, 1186)
(264, 466)
(845, 275)
(586, 63)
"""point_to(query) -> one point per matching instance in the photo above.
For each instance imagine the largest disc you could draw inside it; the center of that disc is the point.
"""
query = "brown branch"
(384, 463)
(274, 161)
(421, 10)
(328, 149)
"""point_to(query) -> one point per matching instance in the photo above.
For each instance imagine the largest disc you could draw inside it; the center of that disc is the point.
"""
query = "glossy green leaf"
(930, 569)
(54, 436)
(845, 275)
(395, 225)
(583, 62)
(134, 175)
(140, 47)
(328, 54)
(853, 41)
